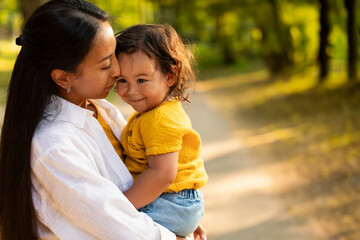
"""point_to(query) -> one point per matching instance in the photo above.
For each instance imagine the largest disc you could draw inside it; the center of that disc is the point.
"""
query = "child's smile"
(141, 84)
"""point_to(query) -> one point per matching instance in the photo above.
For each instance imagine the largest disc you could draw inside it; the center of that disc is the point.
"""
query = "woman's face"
(98, 71)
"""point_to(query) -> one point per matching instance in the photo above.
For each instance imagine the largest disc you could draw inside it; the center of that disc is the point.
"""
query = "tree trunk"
(278, 29)
(224, 40)
(352, 39)
(177, 13)
(27, 7)
(324, 42)
(281, 48)
(160, 12)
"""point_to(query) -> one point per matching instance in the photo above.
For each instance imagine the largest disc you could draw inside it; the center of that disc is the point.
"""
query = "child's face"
(141, 83)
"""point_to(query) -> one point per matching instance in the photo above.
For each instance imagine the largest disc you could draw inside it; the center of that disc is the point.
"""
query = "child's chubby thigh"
(180, 212)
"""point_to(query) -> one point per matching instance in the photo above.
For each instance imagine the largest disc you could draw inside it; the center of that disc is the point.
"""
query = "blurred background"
(277, 106)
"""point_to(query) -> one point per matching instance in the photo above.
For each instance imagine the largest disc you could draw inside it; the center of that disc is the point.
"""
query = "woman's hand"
(200, 233)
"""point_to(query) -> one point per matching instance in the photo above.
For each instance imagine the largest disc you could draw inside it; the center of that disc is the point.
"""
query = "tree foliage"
(283, 35)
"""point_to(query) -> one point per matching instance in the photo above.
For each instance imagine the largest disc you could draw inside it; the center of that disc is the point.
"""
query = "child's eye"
(141, 80)
(121, 80)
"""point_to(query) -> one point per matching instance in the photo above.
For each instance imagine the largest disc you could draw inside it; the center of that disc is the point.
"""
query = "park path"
(242, 194)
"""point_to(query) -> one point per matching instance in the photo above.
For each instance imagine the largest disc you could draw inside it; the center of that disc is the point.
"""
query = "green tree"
(352, 39)
(275, 43)
(223, 34)
(323, 56)
(10, 19)
(27, 7)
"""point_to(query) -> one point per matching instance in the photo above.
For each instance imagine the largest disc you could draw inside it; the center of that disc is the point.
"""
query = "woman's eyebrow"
(103, 59)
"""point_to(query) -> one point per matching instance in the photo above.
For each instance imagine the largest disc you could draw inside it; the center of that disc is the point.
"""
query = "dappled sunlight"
(241, 201)
(235, 80)
(276, 89)
(238, 182)
(335, 80)
(242, 198)
(245, 90)
(270, 137)
(214, 150)
(242, 192)
(334, 142)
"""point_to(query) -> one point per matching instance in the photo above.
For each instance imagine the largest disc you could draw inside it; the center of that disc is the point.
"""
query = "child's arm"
(153, 181)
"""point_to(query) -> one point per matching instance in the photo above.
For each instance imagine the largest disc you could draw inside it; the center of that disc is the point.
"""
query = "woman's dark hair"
(58, 35)
(162, 43)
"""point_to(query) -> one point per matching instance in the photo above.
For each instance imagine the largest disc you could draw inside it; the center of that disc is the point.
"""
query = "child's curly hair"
(162, 43)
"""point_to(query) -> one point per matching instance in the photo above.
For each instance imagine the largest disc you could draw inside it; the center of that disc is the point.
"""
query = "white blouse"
(78, 178)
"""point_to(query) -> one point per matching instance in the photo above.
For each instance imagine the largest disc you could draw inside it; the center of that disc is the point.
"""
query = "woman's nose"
(115, 68)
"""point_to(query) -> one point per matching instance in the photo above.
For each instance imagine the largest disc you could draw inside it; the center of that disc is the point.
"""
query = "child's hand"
(200, 233)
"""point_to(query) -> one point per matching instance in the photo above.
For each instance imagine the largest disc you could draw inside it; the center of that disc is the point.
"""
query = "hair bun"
(18, 40)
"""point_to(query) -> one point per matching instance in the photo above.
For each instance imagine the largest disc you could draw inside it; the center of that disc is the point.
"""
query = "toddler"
(161, 150)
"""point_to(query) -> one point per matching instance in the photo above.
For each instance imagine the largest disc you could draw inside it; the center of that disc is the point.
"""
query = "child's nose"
(132, 89)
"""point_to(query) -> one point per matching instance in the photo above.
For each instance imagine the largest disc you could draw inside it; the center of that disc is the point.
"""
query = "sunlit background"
(277, 106)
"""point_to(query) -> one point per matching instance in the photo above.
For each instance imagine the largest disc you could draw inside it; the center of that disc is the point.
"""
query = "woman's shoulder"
(53, 131)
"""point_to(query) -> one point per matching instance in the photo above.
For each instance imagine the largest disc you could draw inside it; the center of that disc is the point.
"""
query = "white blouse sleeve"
(74, 201)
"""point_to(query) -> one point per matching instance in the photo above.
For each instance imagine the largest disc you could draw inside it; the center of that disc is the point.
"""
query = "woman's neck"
(91, 107)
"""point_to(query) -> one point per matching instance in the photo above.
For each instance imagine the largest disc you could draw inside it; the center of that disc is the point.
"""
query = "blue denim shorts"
(180, 212)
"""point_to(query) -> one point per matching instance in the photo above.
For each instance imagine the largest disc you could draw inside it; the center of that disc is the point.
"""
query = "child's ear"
(61, 78)
(170, 78)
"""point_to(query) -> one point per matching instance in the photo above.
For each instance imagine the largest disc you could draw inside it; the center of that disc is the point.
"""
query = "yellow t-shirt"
(109, 133)
(164, 129)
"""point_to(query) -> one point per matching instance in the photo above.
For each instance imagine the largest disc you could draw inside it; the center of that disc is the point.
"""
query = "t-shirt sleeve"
(163, 133)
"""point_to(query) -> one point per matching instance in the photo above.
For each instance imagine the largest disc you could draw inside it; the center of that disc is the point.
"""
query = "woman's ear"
(61, 78)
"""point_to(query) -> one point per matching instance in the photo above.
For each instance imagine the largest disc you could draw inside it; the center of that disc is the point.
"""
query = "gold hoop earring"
(68, 90)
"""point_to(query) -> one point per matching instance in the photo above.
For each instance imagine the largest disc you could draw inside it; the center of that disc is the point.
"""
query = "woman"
(60, 176)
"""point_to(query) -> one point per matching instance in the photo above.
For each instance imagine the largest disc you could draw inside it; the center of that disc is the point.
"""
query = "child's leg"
(180, 212)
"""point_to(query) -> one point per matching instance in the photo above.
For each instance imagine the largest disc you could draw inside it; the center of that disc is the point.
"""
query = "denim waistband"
(190, 193)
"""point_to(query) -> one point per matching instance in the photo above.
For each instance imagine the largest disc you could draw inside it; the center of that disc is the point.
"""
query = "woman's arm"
(151, 183)
(74, 200)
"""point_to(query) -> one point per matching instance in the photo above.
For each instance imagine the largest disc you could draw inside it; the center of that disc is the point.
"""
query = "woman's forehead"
(104, 44)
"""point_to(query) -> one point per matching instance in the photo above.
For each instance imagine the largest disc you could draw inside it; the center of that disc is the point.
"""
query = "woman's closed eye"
(109, 60)
(105, 68)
